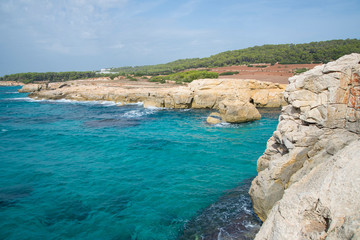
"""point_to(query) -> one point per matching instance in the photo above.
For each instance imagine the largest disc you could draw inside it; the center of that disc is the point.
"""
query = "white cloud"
(186, 9)
(117, 46)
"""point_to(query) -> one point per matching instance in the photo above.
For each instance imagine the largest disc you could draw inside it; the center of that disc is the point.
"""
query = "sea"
(96, 170)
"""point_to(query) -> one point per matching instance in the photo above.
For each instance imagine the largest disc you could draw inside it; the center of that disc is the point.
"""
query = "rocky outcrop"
(236, 111)
(308, 177)
(208, 93)
(234, 98)
(10, 83)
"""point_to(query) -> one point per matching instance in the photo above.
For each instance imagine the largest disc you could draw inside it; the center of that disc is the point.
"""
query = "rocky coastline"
(235, 99)
(10, 83)
(309, 176)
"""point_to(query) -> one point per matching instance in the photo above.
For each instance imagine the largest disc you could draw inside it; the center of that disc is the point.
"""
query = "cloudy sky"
(77, 35)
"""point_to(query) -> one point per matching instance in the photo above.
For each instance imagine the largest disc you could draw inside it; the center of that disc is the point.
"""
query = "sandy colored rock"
(307, 180)
(235, 111)
(31, 87)
(214, 118)
(10, 83)
(238, 96)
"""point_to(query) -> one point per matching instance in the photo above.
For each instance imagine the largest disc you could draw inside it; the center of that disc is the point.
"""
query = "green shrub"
(131, 78)
(228, 73)
(300, 70)
(188, 76)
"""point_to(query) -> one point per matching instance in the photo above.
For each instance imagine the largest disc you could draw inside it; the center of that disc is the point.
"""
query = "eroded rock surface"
(236, 99)
(308, 178)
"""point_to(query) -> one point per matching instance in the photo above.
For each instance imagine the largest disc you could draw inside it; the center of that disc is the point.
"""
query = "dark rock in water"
(231, 217)
(67, 211)
(10, 195)
(118, 123)
(153, 144)
(115, 205)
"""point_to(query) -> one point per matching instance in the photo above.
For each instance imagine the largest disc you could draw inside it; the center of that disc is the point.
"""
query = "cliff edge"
(309, 176)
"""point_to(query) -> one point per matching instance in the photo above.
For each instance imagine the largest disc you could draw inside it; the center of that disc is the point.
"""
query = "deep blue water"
(89, 170)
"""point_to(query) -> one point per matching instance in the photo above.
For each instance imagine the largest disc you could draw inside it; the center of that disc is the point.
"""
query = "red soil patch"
(278, 73)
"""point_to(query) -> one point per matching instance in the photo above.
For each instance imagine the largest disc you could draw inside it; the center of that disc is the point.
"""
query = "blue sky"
(78, 35)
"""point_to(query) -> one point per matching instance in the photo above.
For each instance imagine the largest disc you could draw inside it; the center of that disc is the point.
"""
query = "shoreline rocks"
(236, 99)
(308, 176)
(10, 83)
(214, 118)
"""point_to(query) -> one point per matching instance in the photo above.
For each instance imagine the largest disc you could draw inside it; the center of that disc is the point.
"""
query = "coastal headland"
(235, 99)
(309, 176)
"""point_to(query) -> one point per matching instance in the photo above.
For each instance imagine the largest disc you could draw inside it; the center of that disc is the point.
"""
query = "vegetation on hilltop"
(48, 76)
(181, 77)
(56, 76)
(314, 52)
(229, 73)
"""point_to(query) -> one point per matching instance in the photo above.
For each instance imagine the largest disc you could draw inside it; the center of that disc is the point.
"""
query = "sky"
(82, 35)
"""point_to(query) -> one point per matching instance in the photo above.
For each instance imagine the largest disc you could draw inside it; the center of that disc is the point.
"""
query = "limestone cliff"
(309, 176)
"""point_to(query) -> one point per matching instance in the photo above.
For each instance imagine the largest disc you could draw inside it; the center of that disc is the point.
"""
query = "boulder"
(238, 111)
(214, 118)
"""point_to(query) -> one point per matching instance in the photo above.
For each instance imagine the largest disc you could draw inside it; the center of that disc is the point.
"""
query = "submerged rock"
(231, 217)
(71, 210)
(11, 195)
(117, 123)
(308, 177)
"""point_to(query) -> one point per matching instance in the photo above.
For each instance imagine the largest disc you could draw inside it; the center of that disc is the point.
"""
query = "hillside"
(314, 52)
(277, 63)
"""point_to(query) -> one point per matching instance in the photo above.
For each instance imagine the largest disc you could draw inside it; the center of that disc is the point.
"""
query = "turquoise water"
(90, 170)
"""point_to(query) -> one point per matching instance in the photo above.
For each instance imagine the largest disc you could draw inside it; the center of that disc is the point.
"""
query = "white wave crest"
(22, 99)
(27, 99)
(135, 104)
(223, 124)
(155, 108)
(139, 113)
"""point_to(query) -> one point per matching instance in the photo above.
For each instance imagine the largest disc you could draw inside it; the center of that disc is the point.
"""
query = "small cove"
(88, 170)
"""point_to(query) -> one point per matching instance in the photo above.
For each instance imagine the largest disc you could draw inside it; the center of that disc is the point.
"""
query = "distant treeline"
(314, 52)
(48, 76)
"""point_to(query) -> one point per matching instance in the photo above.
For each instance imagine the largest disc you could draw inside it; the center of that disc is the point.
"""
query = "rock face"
(10, 83)
(234, 98)
(309, 176)
(235, 111)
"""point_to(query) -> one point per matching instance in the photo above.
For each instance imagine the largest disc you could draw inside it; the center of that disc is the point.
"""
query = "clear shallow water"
(98, 171)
